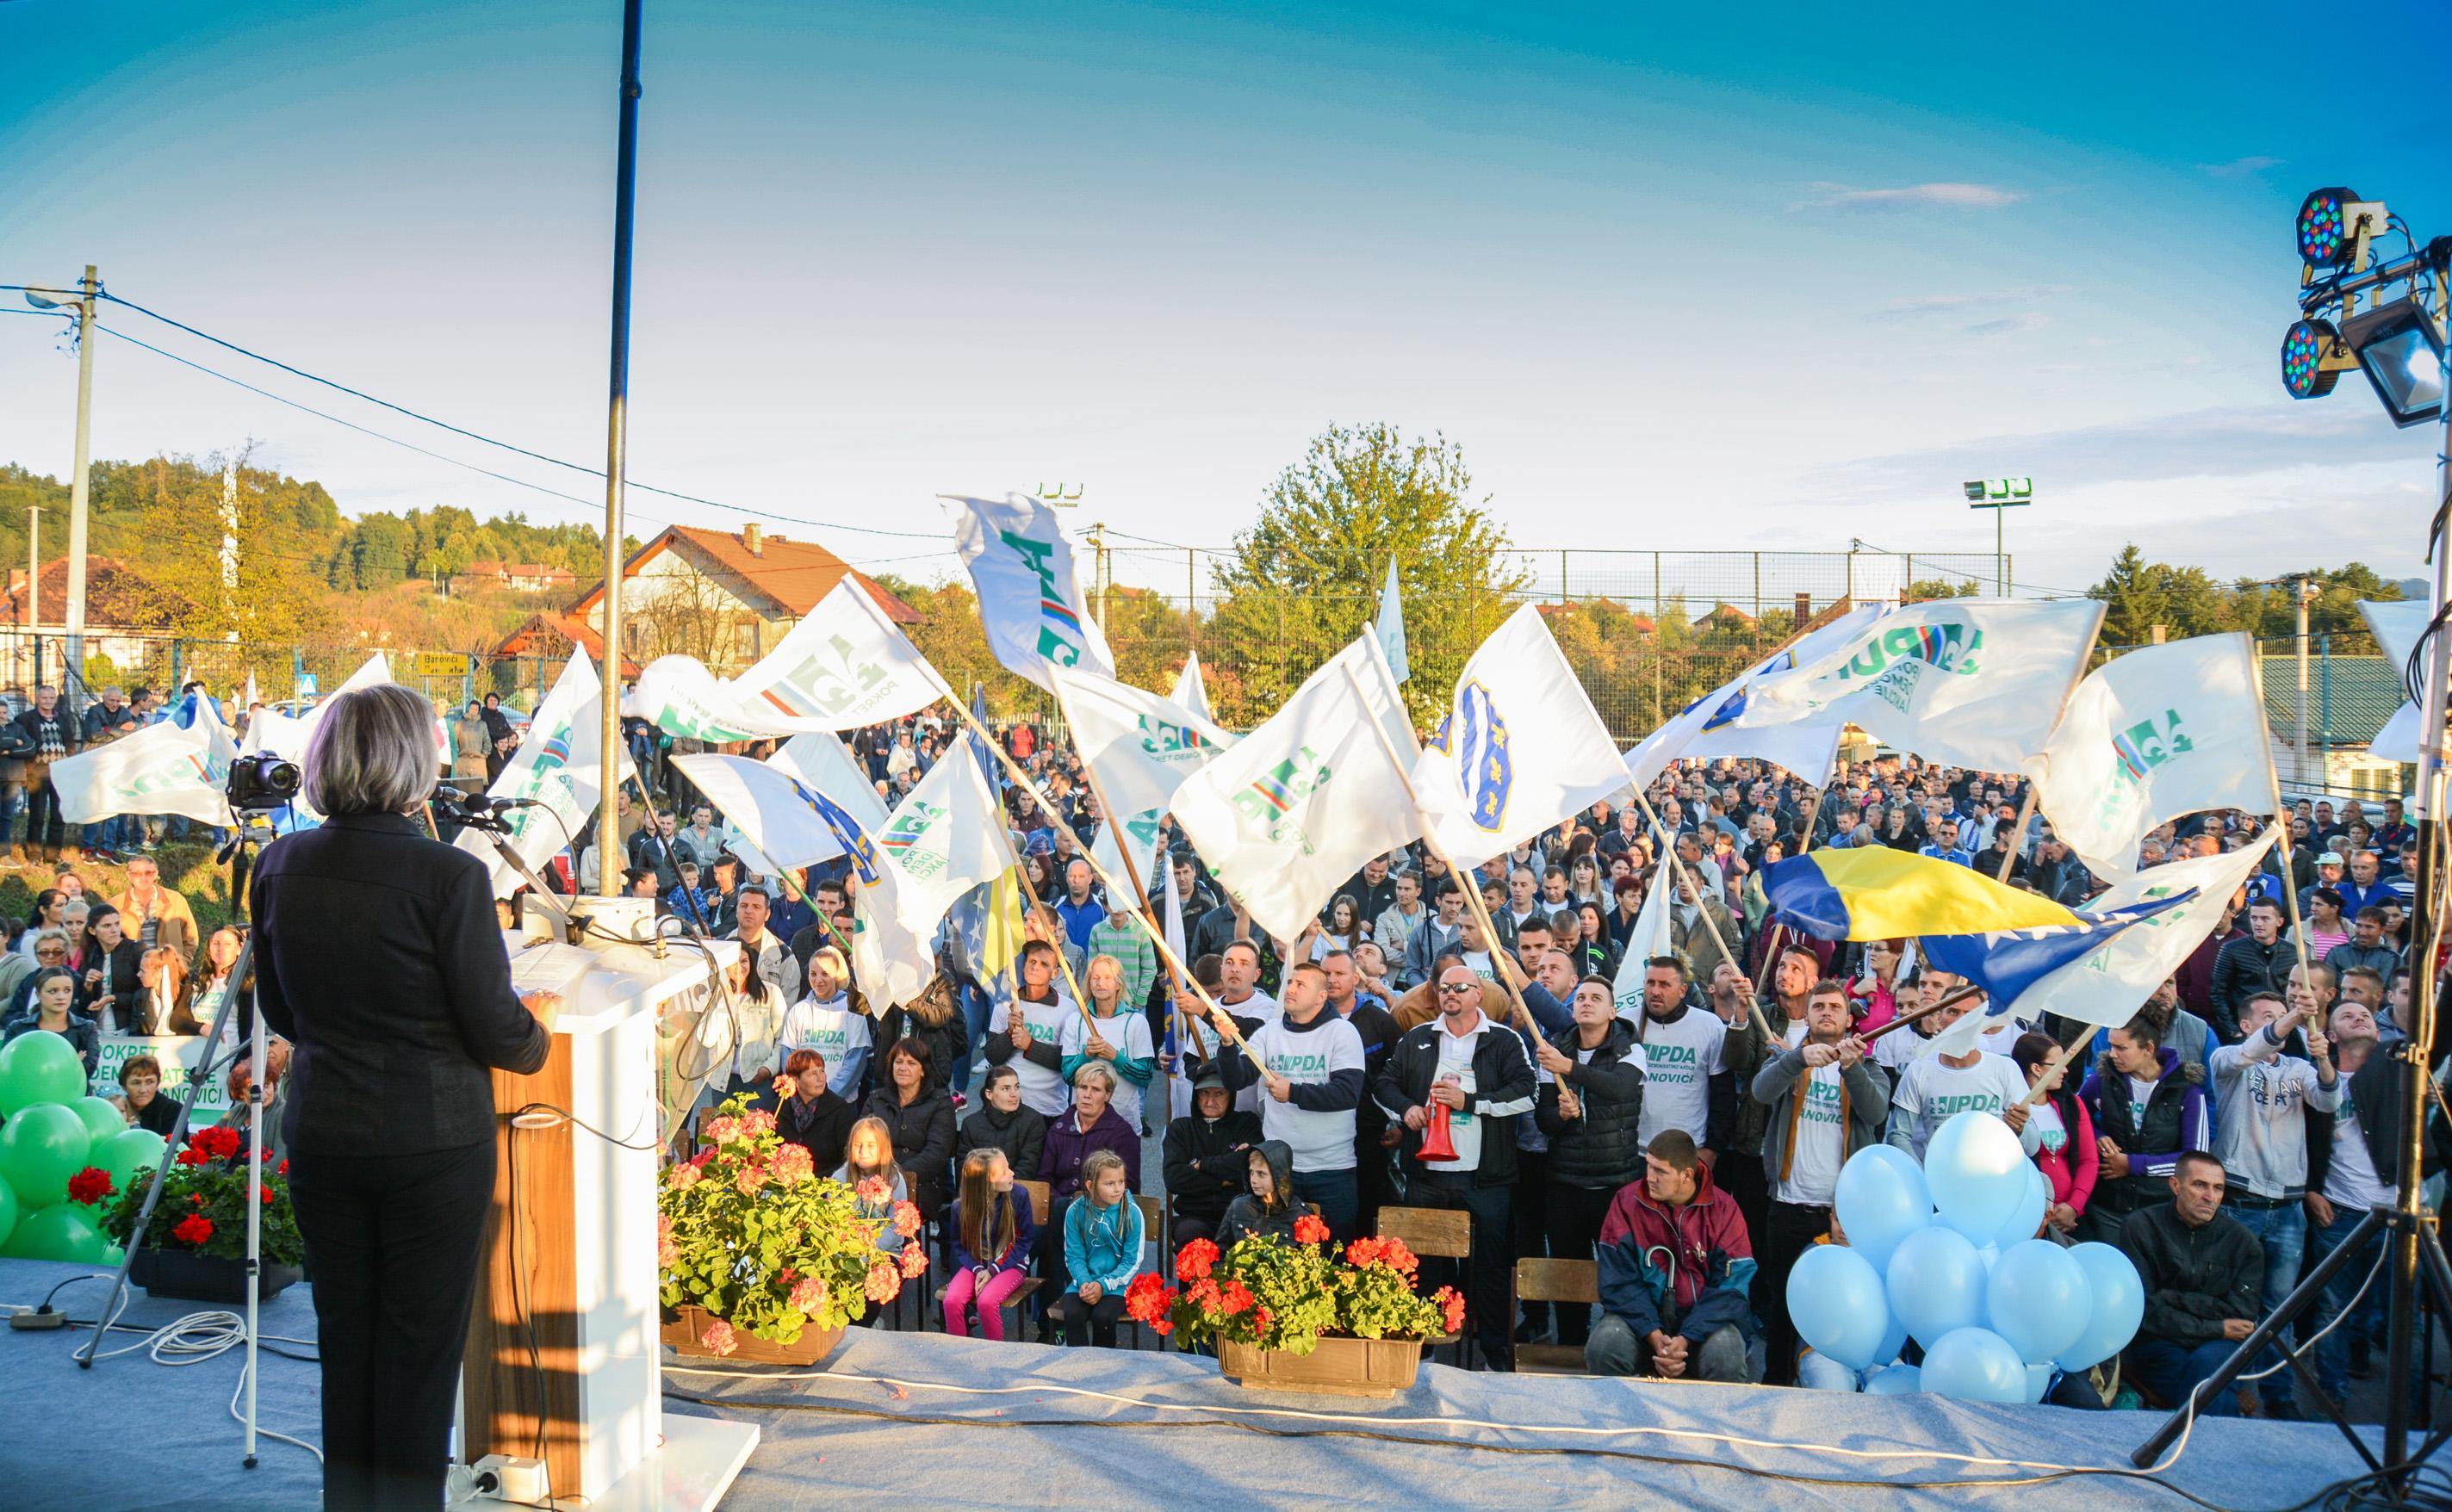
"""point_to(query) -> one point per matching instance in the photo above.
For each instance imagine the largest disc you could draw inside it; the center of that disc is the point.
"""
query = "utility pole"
(229, 549)
(626, 184)
(1100, 574)
(72, 686)
(34, 601)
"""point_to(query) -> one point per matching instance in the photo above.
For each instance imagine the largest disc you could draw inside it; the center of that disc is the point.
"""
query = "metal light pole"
(625, 183)
(1999, 495)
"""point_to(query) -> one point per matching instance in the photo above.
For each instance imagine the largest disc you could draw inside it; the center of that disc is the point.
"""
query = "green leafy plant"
(749, 1231)
(203, 1209)
(1270, 1294)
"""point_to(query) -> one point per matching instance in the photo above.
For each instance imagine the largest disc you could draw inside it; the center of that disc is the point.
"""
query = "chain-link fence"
(281, 673)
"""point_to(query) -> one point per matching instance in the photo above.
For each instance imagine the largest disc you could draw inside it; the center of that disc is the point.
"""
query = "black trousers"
(1531, 1220)
(1575, 1214)
(1493, 1256)
(1788, 1231)
(43, 826)
(393, 1243)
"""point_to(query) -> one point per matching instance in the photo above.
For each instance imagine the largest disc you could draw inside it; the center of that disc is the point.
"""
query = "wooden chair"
(1570, 1283)
(1439, 1233)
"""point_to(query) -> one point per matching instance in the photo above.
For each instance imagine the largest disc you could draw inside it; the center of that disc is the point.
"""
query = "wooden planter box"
(685, 1334)
(1342, 1367)
(206, 1278)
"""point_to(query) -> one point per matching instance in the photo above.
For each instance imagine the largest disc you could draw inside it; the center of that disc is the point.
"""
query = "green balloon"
(102, 1121)
(126, 1153)
(56, 1233)
(11, 1210)
(40, 1148)
(38, 1067)
(112, 1254)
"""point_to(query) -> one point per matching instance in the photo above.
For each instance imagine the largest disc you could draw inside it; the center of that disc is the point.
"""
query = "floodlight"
(2313, 359)
(2401, 349)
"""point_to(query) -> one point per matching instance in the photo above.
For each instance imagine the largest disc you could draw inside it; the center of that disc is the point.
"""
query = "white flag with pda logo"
(2161, 732)
(844, 665)
(1142, 746)
(1295, 807)
(1974, 683)
(555, 774)
(2108, 985)
(1030, 594)
(1519, 750)
(165, 768)
(937, 844)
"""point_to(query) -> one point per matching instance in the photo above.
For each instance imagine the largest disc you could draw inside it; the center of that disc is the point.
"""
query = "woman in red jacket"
(2067, 1157)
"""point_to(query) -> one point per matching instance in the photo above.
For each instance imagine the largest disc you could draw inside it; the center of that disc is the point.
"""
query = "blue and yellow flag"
(1877, 894)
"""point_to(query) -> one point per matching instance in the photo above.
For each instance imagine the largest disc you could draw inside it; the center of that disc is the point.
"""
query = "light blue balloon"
(1894, 1381)
(2118, 1306)
(1893, 1340)
(1881, 1200)
(1988, 1255)
(2027, 1221)
(1974, 1365)
(2038, 1300)
(1836, 1300)
(1975, 1169)
(1937, 1284)
(2039, 1380)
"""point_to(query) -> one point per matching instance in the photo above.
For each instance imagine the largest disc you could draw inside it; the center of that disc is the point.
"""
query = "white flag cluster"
(1298, 805)
(1030, 593)
(2158, 733)
(1141, 748)
(558, 768)
(1519, 750)
(844, 665)
(1715, 724)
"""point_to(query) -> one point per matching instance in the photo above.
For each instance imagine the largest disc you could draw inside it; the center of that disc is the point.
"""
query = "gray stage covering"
(130, 1434)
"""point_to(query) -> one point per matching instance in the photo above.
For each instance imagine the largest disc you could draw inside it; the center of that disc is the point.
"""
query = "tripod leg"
(178, 1134)
(2244, 1358)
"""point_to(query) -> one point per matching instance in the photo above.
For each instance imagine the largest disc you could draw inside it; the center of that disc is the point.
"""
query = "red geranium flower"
(193, 1229)
(281, 1169)
(1148, 1298)
(1310, 1230)
(90, 1185)
(915, 1260)
(1237, 1298)
(1452, 1306)
(906, 1219)
(1196, 1259)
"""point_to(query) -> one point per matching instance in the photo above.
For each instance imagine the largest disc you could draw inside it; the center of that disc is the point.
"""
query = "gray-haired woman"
(378, 958)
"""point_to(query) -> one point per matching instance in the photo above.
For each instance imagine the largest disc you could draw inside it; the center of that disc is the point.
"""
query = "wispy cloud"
(1931, 305)
(2247, 167)
(1910, 197)
(2009, 325)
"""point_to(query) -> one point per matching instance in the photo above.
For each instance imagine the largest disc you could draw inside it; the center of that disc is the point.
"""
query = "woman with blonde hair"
(1114, 1033)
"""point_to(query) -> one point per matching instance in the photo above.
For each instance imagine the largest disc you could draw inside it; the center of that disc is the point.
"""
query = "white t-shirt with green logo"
(1817, 1144)
(1308, 1058)
(1679, 1061)
(1932, 1093)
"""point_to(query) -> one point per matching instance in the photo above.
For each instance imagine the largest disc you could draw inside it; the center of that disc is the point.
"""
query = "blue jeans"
(977, 1006)
(2283, 1232)
(1340, 1198)
(2333, 1351)
(2173, 1369)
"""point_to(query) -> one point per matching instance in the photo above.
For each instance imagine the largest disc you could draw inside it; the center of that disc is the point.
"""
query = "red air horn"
(1436, 1142)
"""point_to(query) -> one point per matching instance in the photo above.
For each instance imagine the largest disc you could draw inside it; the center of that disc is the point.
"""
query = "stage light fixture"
(2313, 359)
(2333, 226)
(2401, 349)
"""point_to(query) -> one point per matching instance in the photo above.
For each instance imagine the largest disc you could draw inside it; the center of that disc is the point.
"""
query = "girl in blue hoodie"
(1103, 1252)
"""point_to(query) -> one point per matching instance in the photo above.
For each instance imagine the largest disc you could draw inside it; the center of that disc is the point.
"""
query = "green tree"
(252, 594)
(2139, 595)
(1926, 589)
(1305, 579)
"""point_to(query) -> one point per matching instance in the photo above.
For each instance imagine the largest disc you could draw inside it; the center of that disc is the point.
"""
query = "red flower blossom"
(90, 1185)
(1148, 1298)
(1260, 1319)
(189, 1157)
(683, 1176)
(915, 1260)
(1310, 1230)
(193, 1229)
(1204, 1295)
(718, 1338)
(1196, 1259)
(1237, 1298)
(791, 1164)
(218, 1142)
(906, 1219)
(885, 1282)
(1452, 1306)
(281, 1169)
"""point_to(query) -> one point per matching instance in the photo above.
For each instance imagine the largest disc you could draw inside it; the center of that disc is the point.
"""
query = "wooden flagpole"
(1669, 857)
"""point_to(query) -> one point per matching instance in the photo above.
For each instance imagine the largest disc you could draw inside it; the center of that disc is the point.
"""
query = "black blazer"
(379, 958)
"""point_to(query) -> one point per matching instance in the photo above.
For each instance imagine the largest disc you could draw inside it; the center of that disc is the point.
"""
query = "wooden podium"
(562, 1361)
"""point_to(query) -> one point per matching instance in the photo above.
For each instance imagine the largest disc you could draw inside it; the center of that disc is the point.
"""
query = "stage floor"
(924, 1420)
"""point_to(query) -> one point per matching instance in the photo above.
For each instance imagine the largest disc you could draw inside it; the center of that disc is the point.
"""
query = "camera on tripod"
(260, 783)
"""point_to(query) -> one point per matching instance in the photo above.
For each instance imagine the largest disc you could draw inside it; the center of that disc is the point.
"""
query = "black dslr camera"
(260, 783)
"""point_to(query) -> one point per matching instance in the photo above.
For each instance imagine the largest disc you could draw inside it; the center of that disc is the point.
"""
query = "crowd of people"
(1690, 1146)
(1400, 1052)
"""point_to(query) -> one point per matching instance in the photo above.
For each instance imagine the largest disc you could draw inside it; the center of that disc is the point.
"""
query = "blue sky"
(1675, 281)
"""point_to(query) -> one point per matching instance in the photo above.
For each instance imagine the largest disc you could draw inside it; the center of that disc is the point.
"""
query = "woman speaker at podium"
(377, 955)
